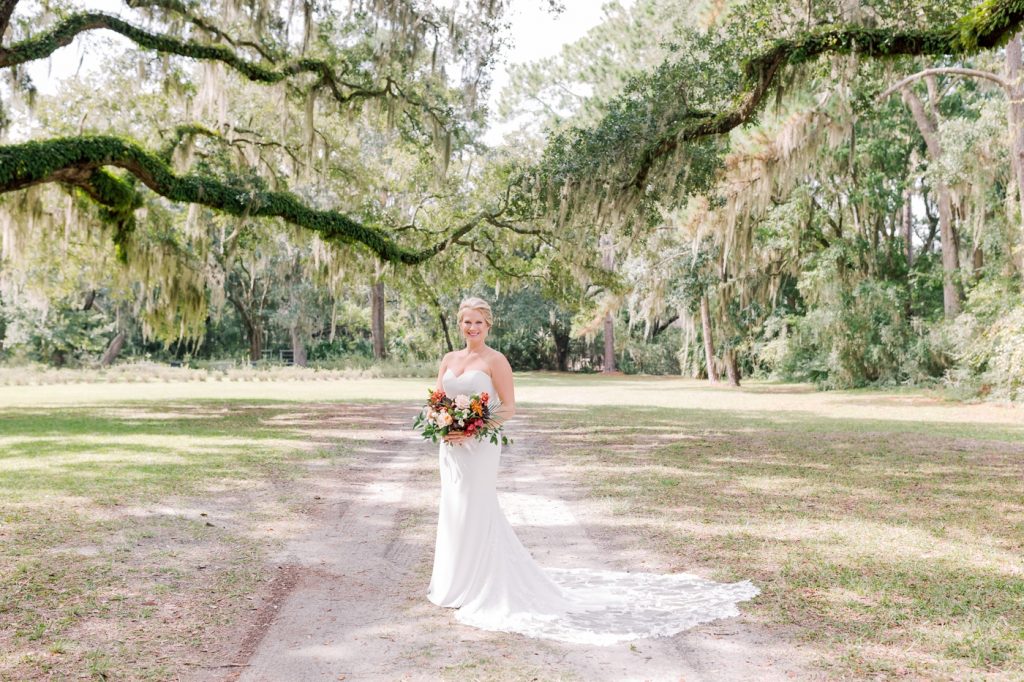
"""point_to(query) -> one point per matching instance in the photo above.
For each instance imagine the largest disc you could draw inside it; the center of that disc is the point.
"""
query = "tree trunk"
(242, 303)
(732, 367)
(952, 294)
(299, 357)
(709, 342)
(113, 350)
(908, 227)
(253, 329)
(607, 246)
(561, 338)
(663, 325)
(255, 332)
(377, 319)
(1016, 115)
(609, 343)
(443, 319)
(334, 319)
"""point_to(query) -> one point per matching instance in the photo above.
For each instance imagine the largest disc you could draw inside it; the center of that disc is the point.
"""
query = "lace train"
(608, 607)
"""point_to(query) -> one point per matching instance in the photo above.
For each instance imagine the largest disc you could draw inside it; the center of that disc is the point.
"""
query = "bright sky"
(536, 33)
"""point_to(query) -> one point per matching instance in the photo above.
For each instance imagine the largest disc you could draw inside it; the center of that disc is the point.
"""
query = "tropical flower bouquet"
(469, 414)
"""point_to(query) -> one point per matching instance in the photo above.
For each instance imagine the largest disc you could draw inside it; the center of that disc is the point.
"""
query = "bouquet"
(469, 414)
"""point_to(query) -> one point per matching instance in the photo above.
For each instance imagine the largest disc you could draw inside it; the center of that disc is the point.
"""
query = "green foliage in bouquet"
(469, 414)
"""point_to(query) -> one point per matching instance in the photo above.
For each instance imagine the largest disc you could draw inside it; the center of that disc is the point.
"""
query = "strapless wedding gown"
(482, 569)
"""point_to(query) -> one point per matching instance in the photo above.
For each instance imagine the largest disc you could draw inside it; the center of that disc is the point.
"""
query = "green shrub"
(989, 342)
(659, 355)
(858, 339)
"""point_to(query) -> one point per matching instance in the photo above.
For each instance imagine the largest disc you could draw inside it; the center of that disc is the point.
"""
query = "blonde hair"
(479, 305)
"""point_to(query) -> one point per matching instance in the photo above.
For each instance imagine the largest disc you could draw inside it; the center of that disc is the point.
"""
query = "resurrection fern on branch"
(343, 90)
(657, 116)
(79, 162)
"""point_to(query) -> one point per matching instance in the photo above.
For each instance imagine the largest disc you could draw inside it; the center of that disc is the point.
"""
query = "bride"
(481, 568)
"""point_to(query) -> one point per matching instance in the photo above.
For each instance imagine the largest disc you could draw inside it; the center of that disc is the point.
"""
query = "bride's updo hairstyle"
(479, 305)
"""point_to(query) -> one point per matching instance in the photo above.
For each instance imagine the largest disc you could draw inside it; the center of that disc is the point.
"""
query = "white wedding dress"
(482, 569)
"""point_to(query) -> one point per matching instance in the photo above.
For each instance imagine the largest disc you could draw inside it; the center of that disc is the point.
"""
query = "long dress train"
(482, 569)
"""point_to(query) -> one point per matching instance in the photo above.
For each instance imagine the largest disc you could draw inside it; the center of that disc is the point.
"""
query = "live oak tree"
(636, 142)
(661, 143)
(241, 118)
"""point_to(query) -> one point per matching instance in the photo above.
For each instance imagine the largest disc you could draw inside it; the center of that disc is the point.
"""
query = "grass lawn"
(133, 536)
(895, 547)
(886, 529)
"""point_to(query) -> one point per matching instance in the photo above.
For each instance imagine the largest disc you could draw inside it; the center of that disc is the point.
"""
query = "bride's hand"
(457, 438)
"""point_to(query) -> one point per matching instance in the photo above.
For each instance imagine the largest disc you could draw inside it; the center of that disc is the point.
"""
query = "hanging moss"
(987, 25)
(175, 7)
(659, 134)
(79, 161)
(119, 200)
(181, 133)
(344, 90)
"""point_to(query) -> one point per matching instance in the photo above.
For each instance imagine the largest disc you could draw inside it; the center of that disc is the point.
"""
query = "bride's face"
(473, 326)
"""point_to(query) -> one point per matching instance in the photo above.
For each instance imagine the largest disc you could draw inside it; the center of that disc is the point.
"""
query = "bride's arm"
(504, 386)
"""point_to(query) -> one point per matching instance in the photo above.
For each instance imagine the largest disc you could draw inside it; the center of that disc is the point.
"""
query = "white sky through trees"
(536, 33)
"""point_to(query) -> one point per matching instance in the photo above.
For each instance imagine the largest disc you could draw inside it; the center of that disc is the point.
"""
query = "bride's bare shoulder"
(497, 359)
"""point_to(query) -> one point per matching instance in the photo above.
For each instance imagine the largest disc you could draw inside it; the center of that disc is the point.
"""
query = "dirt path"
(358, 609)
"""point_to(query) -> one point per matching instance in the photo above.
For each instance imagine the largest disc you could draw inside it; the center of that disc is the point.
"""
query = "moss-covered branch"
(64, 32)
(989, 24)
(80, 162)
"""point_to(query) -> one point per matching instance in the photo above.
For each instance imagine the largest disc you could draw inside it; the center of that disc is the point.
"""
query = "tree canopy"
(648, 129)
(742, 188)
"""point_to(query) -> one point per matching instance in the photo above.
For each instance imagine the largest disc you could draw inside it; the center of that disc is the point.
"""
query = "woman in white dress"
(482, 569)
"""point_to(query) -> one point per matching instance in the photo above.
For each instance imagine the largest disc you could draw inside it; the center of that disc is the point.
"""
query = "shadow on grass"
(128, 529)
(895, 543)
(102, 453)
(689, 420)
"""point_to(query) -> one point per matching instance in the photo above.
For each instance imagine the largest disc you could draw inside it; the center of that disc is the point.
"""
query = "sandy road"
(358, 609)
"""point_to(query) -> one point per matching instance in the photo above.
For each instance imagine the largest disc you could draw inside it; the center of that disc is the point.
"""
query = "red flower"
(484, 397)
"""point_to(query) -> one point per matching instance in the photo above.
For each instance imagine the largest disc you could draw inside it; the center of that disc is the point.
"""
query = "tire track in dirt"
(336, 617)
